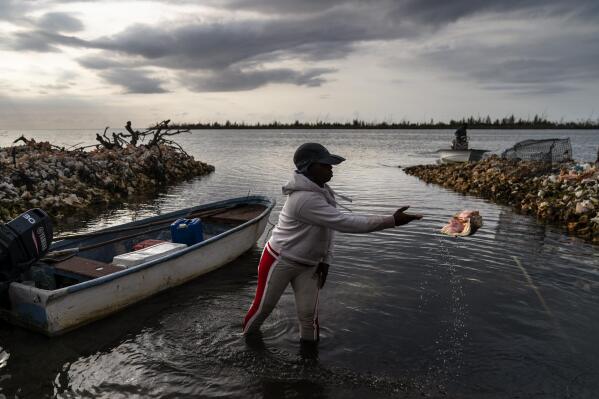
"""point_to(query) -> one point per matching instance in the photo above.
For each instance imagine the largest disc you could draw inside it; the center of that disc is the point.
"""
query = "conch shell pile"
(63, 181)
(464, 223)
(569, 198)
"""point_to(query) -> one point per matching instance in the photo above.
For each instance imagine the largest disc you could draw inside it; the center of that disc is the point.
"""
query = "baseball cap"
(309, 153)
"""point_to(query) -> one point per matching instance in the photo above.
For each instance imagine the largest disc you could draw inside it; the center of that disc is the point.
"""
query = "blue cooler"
(187, 231)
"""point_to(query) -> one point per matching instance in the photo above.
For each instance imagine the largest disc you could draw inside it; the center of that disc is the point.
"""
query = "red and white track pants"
(274, 274)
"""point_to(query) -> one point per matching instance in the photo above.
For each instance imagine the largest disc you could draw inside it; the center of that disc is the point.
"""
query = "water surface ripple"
(509, 312)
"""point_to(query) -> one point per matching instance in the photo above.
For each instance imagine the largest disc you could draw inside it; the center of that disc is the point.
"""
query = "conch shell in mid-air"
(464, 223)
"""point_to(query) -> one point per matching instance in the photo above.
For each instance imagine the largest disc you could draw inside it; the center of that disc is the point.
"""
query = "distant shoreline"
(507, 123)
(291, 127)
(478, 123)
(184, 126)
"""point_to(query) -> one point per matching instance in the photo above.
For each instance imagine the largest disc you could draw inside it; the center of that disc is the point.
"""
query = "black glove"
(322, 270)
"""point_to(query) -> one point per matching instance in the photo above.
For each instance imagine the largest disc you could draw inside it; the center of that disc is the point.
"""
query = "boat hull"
(457, 156)
(58, 311)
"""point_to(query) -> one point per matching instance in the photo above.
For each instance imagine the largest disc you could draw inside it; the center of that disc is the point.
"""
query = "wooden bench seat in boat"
(236, 215)
(78, 266)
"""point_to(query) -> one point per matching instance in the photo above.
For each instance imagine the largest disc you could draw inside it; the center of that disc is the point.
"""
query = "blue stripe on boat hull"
(31, 314)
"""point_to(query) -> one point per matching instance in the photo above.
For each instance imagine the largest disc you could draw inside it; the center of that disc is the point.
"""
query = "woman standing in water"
(300, 248)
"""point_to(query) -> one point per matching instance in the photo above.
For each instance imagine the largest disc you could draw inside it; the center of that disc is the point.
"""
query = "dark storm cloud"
(265, 6)
(237, 80)
(31, 41)
(286, 6)
(105, 61)
(426, 12)
(59, 22)
(218, 45)
(234, 54)
(10, 9)
(42, 41)
(221, 50)
(134, 81)
(445, 12)
(549, 66)
(331, 34)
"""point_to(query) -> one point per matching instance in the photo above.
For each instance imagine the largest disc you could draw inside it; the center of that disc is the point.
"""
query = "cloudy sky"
(76, 64)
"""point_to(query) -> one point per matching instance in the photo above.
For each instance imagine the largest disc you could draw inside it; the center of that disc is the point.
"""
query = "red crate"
(146, 243)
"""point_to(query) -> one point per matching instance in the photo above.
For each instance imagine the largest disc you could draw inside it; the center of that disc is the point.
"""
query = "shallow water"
(509, 312)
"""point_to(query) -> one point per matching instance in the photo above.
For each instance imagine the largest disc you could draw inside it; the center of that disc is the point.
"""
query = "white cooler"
(147, 254)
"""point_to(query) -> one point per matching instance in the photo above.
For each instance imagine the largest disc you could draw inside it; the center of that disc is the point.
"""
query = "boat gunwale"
(269, 202)
(467, 150)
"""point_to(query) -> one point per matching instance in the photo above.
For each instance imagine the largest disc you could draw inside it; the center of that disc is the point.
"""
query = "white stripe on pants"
(305, 288)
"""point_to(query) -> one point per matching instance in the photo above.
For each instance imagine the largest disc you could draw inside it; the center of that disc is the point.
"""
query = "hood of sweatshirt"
(300, 182)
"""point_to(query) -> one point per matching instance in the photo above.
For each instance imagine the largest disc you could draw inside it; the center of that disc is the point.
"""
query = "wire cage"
(549, 150)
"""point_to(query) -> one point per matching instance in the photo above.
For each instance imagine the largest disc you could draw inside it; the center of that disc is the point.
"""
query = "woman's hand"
(404, 218)
(321, 273)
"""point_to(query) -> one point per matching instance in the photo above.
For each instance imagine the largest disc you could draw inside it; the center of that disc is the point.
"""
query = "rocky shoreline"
(64, 181)
(566, 194)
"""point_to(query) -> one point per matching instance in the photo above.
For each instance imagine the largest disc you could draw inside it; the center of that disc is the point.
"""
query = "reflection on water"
(508, 312)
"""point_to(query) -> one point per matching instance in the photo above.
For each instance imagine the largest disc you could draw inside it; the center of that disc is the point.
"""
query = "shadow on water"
(135, 207)
(301, 374)
(48, 361)
(177, 344)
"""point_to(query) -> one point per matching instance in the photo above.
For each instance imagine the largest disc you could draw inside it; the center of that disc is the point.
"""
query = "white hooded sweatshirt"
(305, 230)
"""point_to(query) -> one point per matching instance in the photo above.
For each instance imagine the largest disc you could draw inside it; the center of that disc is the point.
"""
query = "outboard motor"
(23, 241)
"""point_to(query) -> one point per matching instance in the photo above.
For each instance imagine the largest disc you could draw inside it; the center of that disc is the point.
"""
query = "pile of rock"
(60, 181)
(567, 194)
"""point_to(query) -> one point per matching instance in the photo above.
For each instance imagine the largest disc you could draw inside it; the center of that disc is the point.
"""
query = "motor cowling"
(23, 241)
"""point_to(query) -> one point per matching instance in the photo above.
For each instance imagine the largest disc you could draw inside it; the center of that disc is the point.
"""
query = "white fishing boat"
(86, 277)
(456, 156)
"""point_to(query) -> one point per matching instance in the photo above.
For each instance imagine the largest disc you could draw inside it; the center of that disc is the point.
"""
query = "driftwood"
(134, 134)
(155, 136)
(33, 143)
(116, 142)
(25, 140)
